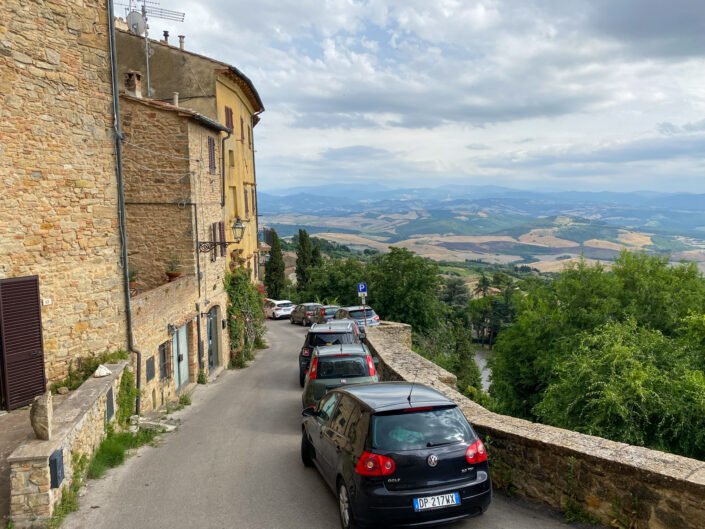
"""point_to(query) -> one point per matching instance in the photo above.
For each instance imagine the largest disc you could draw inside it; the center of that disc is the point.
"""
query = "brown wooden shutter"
(221, 227)
(21, 343)
(247, 203)
(214, 238)
(211, 155)
(242, 131)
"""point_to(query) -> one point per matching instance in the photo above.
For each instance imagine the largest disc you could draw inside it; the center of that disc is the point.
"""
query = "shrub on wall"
(245, 316)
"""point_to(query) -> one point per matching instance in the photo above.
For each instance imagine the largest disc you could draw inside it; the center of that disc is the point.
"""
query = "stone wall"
(79, 426)
(157, 175)
(618, 484)
(58, 211)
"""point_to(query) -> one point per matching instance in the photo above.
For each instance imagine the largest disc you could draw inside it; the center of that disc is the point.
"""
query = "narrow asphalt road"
(234, 463)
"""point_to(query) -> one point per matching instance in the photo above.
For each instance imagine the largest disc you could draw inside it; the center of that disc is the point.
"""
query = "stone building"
(61, 288)
(223, 93)
(173, 187)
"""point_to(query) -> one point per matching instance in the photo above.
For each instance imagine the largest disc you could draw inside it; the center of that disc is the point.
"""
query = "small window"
(164, 357)
(249, 137)
(247, 204)
(221, 228)
(211, 155)
(229, 117)
(254, 195)
(150, 368)
(231, 158)
(242, 131)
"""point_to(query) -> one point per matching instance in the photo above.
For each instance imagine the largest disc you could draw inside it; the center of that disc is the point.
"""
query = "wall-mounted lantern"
(238, 229)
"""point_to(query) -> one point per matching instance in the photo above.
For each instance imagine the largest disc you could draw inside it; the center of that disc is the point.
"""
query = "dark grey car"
(333, 366)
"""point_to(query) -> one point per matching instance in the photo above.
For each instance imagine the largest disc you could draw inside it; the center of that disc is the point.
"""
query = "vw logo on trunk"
(432, 460)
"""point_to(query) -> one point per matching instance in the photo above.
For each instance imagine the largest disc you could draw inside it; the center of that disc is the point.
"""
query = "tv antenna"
(137, 16)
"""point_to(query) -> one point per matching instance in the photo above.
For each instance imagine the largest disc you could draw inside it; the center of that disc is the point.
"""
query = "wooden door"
(21, 343)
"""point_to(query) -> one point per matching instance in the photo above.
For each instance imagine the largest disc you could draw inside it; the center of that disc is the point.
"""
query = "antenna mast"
(137, 22)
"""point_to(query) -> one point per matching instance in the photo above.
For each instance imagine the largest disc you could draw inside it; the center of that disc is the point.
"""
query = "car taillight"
(313, 369)
(305, 351)
(376, 318)
(371, 366)
(323, 312)
(476, 453)
(375, 465)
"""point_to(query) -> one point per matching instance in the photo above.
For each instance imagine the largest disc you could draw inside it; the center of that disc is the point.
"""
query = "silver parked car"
(365, 316)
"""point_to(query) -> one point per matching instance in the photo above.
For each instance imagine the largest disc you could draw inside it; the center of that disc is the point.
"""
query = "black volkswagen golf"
(396, 454)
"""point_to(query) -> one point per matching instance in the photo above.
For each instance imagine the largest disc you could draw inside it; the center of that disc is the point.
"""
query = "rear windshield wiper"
(439, 443)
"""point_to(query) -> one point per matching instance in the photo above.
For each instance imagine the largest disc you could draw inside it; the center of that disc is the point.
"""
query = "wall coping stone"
(67, 415)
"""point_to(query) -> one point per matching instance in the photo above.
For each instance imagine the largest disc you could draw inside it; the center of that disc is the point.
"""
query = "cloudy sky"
(543, 94)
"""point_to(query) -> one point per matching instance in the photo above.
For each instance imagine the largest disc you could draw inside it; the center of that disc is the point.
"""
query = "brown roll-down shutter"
(21, 344)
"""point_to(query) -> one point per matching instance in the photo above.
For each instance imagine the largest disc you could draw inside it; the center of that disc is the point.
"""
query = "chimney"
(181, 41)
(166, 37)
(176, 99)
(133, 83)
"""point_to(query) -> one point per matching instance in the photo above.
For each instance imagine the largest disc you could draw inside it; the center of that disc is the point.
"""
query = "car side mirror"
(309, 412)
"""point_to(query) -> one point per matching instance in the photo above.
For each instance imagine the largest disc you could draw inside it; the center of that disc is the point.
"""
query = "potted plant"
(132, 274)
(173, 268)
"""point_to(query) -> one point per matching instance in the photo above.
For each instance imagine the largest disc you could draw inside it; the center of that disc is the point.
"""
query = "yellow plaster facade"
(235, 110)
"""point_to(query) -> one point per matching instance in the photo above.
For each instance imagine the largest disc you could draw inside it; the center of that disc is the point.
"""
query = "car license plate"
(436, 502)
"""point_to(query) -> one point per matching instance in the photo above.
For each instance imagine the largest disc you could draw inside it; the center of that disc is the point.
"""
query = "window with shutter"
(249, 137)
(221, 227)
(21, 342)
(211, 155)
(254, 201)
(242, 131)
(247, 203)
(164, 367)
(229, 117)
(214, 238)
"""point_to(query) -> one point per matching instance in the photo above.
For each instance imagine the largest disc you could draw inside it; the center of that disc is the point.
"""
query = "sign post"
(362, 292)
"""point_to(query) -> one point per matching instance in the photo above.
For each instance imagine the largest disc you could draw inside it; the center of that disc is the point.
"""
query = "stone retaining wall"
(79, 426)
(620, 485)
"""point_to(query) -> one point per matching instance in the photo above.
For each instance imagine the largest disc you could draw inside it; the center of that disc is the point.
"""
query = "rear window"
(330, 312)
(331, 338)
(342, 366)
(420, 429)
(369, 313)
(285, 305)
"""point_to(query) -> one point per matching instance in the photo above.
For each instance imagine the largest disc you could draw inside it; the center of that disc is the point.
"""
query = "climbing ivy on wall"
(245, 316)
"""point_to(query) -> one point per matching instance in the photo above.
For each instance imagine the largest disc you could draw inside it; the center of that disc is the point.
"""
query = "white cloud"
(418, 82)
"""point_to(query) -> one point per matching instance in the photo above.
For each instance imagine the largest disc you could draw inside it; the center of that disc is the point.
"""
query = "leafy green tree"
(630, 384)
(335, 280)
(483, 286)
(657, 294)
(274, 276)
(455, 293)
(304, 259)
(403, 287)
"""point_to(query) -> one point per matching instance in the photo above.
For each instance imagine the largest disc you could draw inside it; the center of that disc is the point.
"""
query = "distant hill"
(494, 223)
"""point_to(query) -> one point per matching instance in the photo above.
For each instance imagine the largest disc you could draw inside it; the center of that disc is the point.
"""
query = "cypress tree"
(274, 278)
(304, 259)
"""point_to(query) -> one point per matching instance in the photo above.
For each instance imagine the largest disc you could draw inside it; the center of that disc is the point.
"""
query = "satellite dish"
(136, 22)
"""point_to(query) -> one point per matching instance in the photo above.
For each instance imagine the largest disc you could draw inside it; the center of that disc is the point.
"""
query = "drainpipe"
(222, 167)
(117, 133)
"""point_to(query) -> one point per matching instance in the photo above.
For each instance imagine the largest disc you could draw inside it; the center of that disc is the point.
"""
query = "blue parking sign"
(362, 288)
